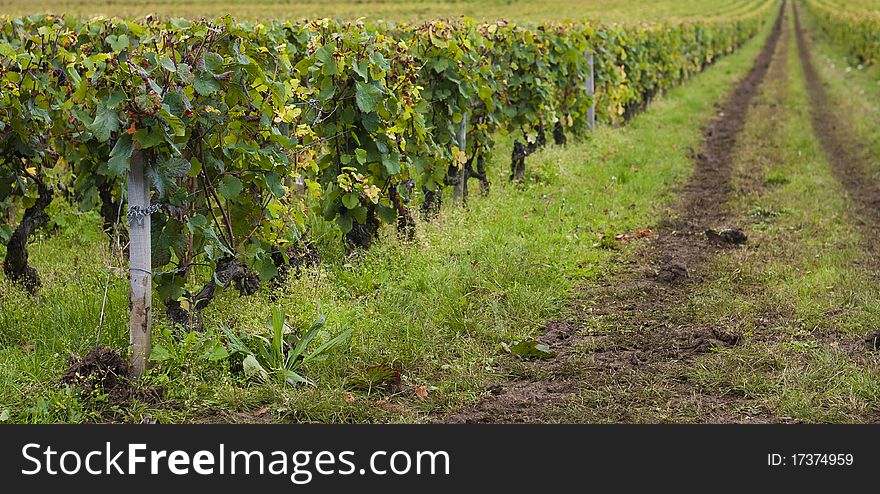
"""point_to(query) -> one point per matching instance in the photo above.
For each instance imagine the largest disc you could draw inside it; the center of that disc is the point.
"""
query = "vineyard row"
(240, 129)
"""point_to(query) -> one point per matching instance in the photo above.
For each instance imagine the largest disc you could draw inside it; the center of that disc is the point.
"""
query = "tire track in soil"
(639, 302)
(849, 157)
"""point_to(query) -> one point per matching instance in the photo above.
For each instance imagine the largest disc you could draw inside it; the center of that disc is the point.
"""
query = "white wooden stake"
(458, 192)
(591, 90)
(140, 266)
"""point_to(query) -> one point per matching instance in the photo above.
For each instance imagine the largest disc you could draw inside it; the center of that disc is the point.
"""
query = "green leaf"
(159, 354)
(368, 97)
(392, 163)
(176, 124)
(162, 174)
(329, 345)
(206, 85)
(359, 214)
(360, 67)
(230, 187)
(4, 415)
(120, 156)
(215, 351)
(307, 338)
(106, 122)
(531, 349)
(150, 136)
(386, 214)
(214, 63)
(293, 378)
(266, 269)
(167, 235)
(350, 200)
(169, 288)
(252, 368)
(361, 155)
(184, 74)
(344, 222)
(168, 64)
(274, 184)
(118, 43)
(325, 55)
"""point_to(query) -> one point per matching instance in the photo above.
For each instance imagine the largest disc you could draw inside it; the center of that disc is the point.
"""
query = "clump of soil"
(672, 272)
(716, 338)
(105, 371)
(729, 236)
(102, 369)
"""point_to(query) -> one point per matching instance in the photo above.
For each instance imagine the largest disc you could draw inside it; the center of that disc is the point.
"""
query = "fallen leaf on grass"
(349, 398)
(529, 349)
(422, 392)
(262, 411)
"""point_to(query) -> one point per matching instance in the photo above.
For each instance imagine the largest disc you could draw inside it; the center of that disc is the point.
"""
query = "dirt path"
(645, 341)
(849, 157)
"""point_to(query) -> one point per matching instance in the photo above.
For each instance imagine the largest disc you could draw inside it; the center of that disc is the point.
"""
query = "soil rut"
(849, 158)
(636, 305)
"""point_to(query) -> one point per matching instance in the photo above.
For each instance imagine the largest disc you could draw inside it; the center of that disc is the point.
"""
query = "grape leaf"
(120, 155)
(230, 187)
(106, 122)
(368, 97)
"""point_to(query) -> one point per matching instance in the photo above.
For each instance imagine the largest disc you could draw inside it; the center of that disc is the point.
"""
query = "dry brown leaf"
(422, 392)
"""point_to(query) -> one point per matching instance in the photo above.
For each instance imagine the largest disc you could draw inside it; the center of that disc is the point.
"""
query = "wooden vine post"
(459, 191)
(140, 266)
(591, 90)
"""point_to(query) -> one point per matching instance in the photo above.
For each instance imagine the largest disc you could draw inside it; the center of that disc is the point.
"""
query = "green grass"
(614, 10)
(436, 309)
(800, 293)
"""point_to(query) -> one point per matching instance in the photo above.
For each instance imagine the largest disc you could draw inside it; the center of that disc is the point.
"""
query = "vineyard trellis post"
(140, 266)
(459, 191)
(591, 91)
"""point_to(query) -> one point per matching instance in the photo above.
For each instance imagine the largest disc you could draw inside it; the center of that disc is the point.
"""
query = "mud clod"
(727, 236)
(495, 389)
(105, 371)
(102, 370)
(713, 339)
(672, 272)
